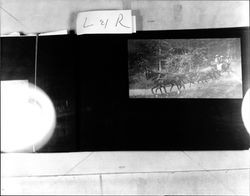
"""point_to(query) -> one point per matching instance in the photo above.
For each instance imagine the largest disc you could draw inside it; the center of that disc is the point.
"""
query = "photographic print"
(185, 68)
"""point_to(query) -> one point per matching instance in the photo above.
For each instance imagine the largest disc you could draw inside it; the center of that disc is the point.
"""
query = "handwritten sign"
(105, 22)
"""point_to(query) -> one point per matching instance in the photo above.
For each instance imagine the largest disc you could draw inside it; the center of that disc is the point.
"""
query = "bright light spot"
(245, 110)
(28, 117)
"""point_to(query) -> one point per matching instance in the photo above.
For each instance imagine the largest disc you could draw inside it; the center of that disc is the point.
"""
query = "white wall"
(126, 173)
(50, 15)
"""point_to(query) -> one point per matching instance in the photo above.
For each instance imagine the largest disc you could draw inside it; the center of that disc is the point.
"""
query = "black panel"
(110, 120)
(56, 76)
(87, 79)
(17, 58)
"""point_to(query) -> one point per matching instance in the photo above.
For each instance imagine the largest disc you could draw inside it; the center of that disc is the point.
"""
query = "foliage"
(175, 55)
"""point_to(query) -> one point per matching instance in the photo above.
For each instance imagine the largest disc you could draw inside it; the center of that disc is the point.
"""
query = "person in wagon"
(218, 62)
(221, 59)
(215, 62)
(228, 60)
(216, 59)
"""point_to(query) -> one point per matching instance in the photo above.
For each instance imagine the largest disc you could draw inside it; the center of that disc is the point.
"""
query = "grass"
(222, 88)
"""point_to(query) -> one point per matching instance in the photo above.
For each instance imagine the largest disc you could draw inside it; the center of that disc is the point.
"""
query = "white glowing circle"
(245, 110)
(28, 117)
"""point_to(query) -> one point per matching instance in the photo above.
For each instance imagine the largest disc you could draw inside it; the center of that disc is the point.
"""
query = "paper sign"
(105, 22)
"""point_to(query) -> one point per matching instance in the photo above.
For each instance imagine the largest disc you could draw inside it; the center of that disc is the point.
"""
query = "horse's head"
(148, 73)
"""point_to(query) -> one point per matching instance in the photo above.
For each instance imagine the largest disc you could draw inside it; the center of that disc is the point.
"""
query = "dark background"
(87, 79)
(56, 75)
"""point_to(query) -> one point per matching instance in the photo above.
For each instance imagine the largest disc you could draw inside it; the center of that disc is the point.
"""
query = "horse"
(153, 75)
(189, 77)
(166, 82)
(162, 80)
(209, 72)
(203, 77)
(226, 68)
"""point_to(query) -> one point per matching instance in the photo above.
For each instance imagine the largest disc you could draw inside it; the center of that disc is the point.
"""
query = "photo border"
(241, 32)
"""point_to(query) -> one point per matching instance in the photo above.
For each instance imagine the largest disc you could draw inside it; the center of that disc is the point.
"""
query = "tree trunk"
(159, 61)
